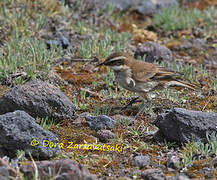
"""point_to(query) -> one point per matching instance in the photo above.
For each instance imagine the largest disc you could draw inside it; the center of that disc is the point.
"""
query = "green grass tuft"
(175, 18)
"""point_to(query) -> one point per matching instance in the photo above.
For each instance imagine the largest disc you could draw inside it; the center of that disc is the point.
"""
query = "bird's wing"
(166, 74)
(142, 71)
(153, 72)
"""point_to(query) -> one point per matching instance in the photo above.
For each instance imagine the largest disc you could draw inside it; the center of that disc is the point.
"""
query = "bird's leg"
(130, 103)
(145, 105)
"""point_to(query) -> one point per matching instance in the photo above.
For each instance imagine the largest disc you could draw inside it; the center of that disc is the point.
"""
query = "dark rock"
(60, 169)
(6, 172)
(86, 9)
(210, 60)
(121, 4)
(214, 163)
(149, 7)
(18, 130)
(172, 160)
(50, 43)
(102, 4)
(80, 119)
(183, 125)
(178, 177)
(39, 99)
(153, 174)
(207, 171)
(104, 135)
(143, 7)
(159, 136)
(100, 122)
(141, 161)
(153, 52)
(59, 41)
(197, 43)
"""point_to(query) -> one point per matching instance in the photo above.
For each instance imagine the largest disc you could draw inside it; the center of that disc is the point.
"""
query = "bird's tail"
(179, 83)
(189, 85)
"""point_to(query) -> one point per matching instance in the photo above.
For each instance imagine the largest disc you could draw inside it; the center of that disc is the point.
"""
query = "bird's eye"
(115, 63)
(118, 63)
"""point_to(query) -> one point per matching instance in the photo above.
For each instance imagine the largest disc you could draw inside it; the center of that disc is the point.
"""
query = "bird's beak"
(100, 64)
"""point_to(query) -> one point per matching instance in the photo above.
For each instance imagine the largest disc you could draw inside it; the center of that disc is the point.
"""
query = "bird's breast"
(124, 79)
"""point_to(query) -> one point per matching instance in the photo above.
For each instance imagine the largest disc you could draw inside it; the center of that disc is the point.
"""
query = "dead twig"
(91, 93)
(76, 59)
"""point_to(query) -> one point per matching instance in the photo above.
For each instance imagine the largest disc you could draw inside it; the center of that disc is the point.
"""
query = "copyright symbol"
(34, 142)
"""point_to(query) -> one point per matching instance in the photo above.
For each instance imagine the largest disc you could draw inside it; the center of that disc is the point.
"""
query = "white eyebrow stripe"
(117, 68)
(119, 57)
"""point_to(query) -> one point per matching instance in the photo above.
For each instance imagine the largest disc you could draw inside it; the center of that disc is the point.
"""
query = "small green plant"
(83, 94)
(46, 123)
(195, 150)
(83, 106)
(213, 84)
(212, 141)
(145, 145)
(108, 10)
(187, 161)
(189, 72)
(112, 41)
(80, 157)
(94, 83)
(101, 110)
(20, 154)
(126, 122)
(80, 26)
(96, 111)
(171, 145)
(85, 49)
(175, 18)
(26, 55)
(148, 107)
(133, 132)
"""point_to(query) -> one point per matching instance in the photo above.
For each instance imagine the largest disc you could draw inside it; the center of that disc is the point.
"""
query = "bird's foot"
(130, 103)
(145, 105)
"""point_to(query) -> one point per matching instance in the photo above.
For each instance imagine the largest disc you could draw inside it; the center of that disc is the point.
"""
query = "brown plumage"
(141, 71)
(142, 77)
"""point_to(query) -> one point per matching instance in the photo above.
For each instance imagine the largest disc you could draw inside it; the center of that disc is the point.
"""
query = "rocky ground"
(61, 117)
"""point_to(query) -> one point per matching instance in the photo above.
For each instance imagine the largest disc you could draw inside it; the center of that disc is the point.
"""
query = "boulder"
(182, 125)
(19, 131)
(39, 99)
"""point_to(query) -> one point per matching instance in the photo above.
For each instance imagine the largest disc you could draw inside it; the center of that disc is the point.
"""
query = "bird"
(142, 77)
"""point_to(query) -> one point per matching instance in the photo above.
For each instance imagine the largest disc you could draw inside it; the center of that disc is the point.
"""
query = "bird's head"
(117, 61)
